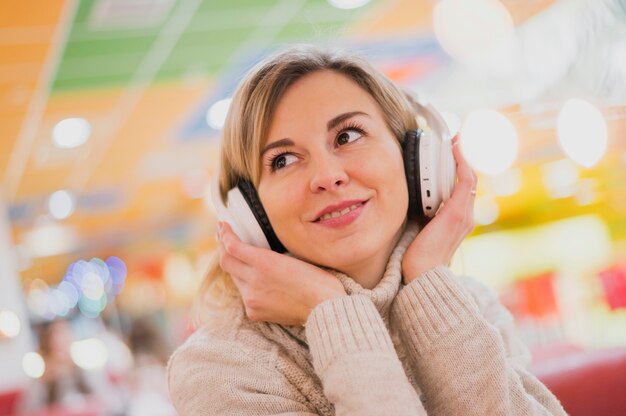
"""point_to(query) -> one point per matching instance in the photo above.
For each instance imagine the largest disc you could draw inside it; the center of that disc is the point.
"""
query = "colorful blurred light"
(87, 285)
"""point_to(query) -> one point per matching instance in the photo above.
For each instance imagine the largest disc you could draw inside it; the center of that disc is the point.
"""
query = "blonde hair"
(248, 121)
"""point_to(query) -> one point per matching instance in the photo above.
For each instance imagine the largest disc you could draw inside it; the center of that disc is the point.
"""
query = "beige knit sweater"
(441, 345)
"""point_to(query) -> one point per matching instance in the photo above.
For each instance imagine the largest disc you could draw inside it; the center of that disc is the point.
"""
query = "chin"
(351, 252)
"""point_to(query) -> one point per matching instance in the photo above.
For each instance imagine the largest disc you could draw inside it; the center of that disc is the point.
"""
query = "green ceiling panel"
(104, 57)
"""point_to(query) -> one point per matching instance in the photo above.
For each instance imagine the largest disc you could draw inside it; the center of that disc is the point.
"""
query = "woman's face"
(332, 181)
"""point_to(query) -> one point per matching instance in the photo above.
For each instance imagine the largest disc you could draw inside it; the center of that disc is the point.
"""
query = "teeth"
(336, 214)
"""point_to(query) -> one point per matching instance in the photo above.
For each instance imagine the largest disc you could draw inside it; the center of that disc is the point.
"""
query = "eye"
(282, 160)
(348, 136)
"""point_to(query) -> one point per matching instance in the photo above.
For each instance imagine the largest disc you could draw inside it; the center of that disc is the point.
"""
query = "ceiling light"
(488, 141)
(348, 4)
(61, 204)
(582, 132)
(468, 30)
(71, 132)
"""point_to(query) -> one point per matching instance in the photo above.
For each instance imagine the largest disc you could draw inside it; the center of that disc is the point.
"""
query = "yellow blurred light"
(582, 132)
(33, 365)
(560, 178)
(489, 141)
(506, 183)
(9, 324)
(586, 194)
(180, 276)
(486, 210)
(89, 354)
(469, 30)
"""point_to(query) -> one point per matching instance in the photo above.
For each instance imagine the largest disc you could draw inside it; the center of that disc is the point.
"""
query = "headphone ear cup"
(410, 154)
(250, 195)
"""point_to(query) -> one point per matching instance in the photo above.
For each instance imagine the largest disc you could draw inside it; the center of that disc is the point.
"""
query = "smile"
(344, 213)
(339, 213)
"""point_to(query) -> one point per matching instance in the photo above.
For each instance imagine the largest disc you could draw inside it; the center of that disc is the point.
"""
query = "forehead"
(316, 98)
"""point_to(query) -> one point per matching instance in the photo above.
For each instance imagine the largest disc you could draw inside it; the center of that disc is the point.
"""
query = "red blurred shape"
(537, 296)
(614, 286)
(8, 401)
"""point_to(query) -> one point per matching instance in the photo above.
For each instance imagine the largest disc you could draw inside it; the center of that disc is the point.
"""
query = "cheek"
(280, 202)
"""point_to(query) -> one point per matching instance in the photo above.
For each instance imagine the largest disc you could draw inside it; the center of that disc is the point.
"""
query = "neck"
(369, 272)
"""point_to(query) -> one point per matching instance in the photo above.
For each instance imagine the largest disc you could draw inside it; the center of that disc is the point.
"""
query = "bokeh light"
(89, 354)
(489, 141)
(348, 4)
(71, 132)
(61, 204)
(33, 365)
(582, 132)
(560, 178)
(486, 210)
(9, 324)
(88, 285)
(216, 116)
(468, 30)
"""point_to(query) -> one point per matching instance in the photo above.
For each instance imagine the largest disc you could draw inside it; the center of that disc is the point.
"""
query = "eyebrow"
(332, 123)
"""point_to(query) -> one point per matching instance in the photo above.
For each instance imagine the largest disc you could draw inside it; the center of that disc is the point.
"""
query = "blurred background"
(110, 117)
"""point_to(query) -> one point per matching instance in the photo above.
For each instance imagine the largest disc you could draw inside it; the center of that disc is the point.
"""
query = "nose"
(328, 173)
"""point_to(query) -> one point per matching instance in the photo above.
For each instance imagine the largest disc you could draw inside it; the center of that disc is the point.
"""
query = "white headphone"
(430, 173)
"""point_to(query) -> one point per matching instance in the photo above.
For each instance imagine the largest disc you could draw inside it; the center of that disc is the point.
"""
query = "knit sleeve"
(220, 377)
(355, 359)
(461, 341)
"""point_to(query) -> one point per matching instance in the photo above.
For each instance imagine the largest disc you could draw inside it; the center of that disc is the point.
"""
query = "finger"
(465, 188)
(465, 173)
(246, 253)
(232, 265)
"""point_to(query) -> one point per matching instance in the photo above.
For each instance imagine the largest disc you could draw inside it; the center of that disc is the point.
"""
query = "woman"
(362, 317)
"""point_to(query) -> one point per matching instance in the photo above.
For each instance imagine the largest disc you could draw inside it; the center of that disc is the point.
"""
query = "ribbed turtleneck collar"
(385, 291)
(383, 294)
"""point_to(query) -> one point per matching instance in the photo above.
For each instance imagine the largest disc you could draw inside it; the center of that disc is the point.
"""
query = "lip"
(339, 207)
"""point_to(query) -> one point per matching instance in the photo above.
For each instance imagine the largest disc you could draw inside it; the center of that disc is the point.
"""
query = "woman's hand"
(274, 287)
(437, 242)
